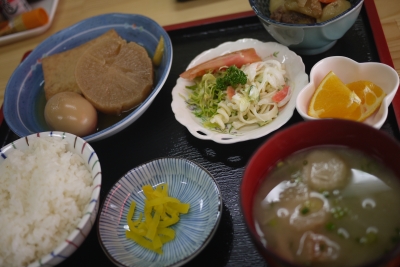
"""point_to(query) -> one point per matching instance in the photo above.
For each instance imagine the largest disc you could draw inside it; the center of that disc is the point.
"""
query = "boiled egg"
(70, 112)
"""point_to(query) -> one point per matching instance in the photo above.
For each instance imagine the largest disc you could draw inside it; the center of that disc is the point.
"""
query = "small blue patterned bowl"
(186, 181)
(24, 99)
(307, 39)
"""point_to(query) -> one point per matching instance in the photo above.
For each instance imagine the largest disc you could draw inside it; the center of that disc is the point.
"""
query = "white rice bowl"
(47, 190)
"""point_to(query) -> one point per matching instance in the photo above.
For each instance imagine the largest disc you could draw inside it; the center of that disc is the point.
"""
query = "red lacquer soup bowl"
(304, 135)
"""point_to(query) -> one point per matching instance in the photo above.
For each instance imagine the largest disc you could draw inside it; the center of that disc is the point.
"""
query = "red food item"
(237, 58)
(279, 96)
(230, 92)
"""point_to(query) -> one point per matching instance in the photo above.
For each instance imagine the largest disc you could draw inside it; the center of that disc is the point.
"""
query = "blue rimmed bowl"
(188, 182)
(74, 238)
(24, 99)
(307, 39)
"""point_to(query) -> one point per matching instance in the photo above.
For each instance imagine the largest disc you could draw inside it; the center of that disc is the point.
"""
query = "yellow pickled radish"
(160, 212)
(158, 54)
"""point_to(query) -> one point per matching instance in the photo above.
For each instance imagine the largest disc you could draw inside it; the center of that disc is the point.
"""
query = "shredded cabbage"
(255, 102)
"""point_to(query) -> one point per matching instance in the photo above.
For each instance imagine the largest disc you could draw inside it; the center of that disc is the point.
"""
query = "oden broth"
(329, 206)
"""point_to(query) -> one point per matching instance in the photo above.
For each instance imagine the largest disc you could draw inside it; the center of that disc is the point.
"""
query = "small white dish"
(297, 80)
(348, 71)
(50, 6)
(188, 182)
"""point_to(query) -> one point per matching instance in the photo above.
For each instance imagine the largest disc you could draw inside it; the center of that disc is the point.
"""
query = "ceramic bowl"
(266, 50)
(188, 182)
(305, 135)
(74, 238)
(348, 71)
(24, 99)
(307, 39)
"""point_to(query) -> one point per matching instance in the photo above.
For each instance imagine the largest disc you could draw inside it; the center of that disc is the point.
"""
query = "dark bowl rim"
(263, 17)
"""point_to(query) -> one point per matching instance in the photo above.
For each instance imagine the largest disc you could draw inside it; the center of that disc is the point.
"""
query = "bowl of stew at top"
(325, 193)
(307, 27)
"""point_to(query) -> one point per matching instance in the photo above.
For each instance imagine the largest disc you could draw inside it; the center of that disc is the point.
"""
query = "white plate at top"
(297, 80)
(50, 6)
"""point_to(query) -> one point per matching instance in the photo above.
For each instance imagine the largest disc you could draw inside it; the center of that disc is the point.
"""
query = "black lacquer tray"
(157, 134)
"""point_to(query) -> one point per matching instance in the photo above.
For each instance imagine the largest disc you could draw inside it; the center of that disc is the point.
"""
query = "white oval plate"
(297, 80)
(50, 6)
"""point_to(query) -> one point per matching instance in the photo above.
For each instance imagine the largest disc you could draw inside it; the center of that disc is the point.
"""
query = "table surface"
(389, 15)
(168, 138)
(169, 13)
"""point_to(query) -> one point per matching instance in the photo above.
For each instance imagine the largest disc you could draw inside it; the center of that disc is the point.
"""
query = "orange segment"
(371, 97)
(333, 99)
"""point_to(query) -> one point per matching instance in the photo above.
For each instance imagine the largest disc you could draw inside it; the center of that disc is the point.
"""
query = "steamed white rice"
(43, 193)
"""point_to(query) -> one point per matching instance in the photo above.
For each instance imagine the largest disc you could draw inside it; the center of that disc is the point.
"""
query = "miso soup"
(329, 206)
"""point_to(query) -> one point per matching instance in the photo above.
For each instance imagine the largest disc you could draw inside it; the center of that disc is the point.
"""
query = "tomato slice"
(237, 58)
(279, 96)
